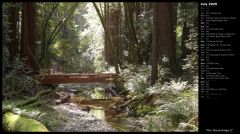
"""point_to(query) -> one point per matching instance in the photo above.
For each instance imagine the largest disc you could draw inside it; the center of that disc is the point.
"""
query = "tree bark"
(166, 38)
(185, 33)
(113, 53)
(114, 32)
(162, 38)
(154, 71)
(28, 27)
(13, 17)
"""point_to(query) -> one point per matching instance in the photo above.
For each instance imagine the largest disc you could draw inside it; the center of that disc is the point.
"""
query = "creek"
(94, 99)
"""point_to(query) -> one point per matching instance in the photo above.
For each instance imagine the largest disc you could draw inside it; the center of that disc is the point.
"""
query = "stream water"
(93, 99)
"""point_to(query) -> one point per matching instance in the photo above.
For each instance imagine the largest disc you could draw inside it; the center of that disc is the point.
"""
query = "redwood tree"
(28, 33)
(13, 17)
(163, 37)
(112, 19)
(155, 44)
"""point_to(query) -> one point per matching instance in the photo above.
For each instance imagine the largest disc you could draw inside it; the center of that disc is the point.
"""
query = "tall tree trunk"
(183, 39)
(106, 42)
(166, 38)
(138, 11)
(147, 45)
(162, 38)
(178, 68)
(126, 34)
(154, 62)
(131, 10)
(121, 31)
(174, 15)
(13, 17)
(28, 24)
(114, 31)
(112, 18)
(113, 53)
(185, 33)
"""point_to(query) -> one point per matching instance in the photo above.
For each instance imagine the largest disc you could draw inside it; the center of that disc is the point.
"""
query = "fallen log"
(16, 123)
(34, 99)
(134, 100)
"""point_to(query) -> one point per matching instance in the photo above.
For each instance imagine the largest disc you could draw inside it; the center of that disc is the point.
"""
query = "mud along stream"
(93, 107)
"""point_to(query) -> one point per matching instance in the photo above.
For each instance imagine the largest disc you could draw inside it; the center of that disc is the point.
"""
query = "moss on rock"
(16, 123)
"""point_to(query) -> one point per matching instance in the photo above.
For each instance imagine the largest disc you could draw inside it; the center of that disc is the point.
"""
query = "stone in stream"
(85, 108)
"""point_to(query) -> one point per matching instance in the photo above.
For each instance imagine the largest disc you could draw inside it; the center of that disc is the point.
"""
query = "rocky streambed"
(90, 110)
(80, 121)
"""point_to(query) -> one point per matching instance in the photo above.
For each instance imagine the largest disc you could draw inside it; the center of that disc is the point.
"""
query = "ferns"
(174, 103)
(17, 81)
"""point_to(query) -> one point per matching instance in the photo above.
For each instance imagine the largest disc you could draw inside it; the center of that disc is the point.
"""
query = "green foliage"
(173, 106)
(5, 58)
(56, 22)
(137, 78)
(94, 34)
(190, 66)
(164, 73)
(72, 56)
(175, 101)
(79, 44)
(98, 93)
(17, 81)
(143, 110)
(144, 34)
(156, 123)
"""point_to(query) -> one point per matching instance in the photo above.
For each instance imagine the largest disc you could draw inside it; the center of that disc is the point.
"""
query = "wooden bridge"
(78, 78)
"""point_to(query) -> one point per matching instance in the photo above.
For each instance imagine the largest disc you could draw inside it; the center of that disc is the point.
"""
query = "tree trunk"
(112, 50)
(185, 33)
(165, 23)
(138, 11)
(126, 34)
(174, 15)
(154, 71)
(13, 17)
(162, 38)
(114, 31)
(106, 42)
(28, 27)
(133, 41)
(130, 32)
(166, 39)
(147, 45)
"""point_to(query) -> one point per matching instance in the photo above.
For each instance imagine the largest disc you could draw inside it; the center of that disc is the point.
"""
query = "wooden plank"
(78, 78)
(82, 74)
